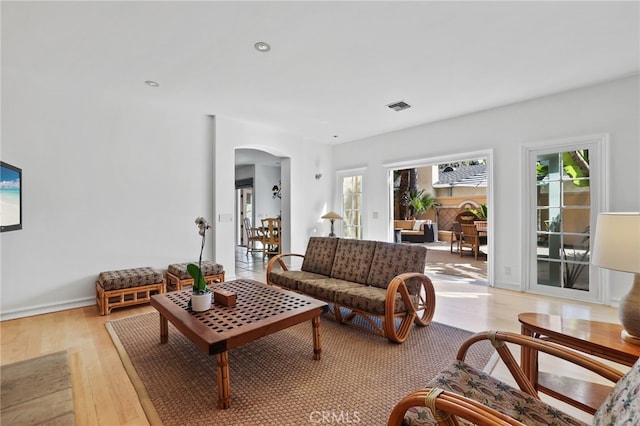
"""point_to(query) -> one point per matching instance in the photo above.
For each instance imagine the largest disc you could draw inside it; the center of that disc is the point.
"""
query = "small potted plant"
(201, 295)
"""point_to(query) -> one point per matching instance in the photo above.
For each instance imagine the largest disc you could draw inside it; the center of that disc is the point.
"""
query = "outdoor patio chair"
(456, 235)
(489, 401)
(469, 239)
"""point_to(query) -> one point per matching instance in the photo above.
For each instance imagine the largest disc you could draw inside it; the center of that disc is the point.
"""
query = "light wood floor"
(103, 394)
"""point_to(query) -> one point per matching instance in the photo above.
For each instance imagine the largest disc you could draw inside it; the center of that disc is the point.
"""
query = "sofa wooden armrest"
(501, 401)
(279, 259)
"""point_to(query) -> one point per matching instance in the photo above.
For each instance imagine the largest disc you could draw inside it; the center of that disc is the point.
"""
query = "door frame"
(426, 161)
(599, 162)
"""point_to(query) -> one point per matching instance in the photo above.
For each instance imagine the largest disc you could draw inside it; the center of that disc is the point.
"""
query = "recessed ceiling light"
(151, 83)
(261, 46)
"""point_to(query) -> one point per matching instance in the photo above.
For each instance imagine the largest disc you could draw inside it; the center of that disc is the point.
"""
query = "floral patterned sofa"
(462, 394)
(368, 284)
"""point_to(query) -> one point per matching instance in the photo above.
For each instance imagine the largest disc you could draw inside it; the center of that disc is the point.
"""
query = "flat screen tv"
(10, 197)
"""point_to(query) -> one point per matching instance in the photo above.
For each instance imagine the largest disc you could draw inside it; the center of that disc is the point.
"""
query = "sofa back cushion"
(353, 260)
(319, 256)
(392, 259)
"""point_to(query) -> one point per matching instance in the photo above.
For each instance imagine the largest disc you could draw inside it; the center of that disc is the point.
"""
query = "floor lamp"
(617, 246)
(332, 216)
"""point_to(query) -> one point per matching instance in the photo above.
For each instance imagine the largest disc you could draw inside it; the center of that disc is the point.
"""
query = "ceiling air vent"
(399, 106)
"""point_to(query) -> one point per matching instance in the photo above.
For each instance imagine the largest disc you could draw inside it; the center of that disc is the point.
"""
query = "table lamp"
(617, 246)
(332, 216)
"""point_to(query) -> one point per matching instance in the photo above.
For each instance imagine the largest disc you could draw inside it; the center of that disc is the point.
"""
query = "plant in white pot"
(201, 295)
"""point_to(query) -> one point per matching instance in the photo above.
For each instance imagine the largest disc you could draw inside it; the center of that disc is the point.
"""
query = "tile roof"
(473, 176)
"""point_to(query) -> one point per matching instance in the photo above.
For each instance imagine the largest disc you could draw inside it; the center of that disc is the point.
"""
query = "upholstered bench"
(127, 287)
(178, 277)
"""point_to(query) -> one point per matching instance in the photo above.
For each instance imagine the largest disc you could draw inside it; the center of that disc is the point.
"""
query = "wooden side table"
(600, 339)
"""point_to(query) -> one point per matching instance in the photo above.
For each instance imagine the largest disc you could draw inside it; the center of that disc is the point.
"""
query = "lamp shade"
(617, 242)
(332, 215)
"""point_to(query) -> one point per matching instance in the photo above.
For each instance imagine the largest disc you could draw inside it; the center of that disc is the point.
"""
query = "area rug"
(275, 381)
(37, 391)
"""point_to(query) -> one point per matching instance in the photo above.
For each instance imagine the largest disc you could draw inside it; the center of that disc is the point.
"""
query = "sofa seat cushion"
(292, 279)
(353, 260)
(368, 299)
(128, 278)
(326, 288)
(319, 256)
(474, 384)
(392, 259)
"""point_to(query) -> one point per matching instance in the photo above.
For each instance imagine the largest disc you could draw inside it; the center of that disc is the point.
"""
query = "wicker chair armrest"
(500, 338)
(448, 406)
(279, 260)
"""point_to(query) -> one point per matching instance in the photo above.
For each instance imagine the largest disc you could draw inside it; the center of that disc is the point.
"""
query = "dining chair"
(271, 236)
(253, 236)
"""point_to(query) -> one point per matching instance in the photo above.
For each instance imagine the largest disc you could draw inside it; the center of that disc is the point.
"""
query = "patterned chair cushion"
(319, 256)
(392, 259)
(367, 299)
(353, 260)
(292, 279)
(326, 288)
(622, 405)
(128, 278)
(474, 384)
(208, 268)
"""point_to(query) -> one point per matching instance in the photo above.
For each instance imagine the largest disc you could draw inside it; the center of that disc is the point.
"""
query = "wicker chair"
(488, 401)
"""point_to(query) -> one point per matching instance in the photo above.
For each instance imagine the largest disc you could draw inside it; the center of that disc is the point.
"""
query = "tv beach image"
(9, 197)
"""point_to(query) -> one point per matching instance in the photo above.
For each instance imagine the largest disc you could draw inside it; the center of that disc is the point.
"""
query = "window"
(352, 206)
(563, 219)
(565, 185)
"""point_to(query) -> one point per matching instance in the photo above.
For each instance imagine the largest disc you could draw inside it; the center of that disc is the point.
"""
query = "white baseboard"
(48, 308)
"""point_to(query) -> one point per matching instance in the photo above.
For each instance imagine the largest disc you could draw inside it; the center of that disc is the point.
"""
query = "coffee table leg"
(164, 329)
(224, 386)
(317, 347)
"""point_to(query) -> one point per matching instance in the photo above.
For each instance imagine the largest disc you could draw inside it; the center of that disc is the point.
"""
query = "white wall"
(109, 183)
(304, 197)
(265, 204)
(612, 108)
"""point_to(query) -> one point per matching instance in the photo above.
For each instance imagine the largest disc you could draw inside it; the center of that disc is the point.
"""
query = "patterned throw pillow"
(622, 405)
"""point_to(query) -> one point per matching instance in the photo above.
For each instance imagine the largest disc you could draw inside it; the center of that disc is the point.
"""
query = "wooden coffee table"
(260, 310)
(601, 339)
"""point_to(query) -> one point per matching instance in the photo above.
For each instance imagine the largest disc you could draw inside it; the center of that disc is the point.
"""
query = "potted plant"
(481, 213)
(201, 295)
(421, 201)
